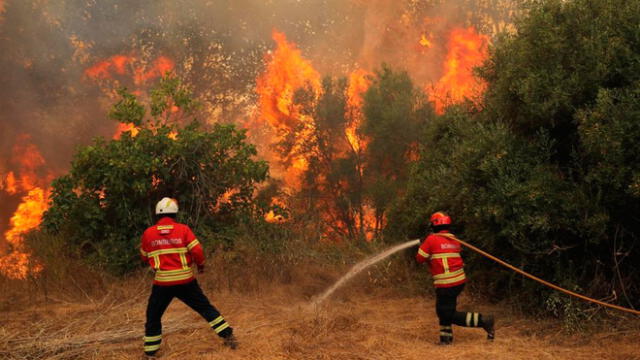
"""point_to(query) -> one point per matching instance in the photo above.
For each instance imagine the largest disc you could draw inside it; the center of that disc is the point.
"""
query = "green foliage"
(108, 197)
(394, 111)
(546, 175)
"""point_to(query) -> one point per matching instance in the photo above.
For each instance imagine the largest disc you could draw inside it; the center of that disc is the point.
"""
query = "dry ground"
(276, 322)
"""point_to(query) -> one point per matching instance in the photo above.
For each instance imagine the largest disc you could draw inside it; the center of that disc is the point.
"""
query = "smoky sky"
(218, 48)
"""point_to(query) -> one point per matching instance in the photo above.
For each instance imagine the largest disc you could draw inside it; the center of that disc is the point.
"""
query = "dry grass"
(275, 321)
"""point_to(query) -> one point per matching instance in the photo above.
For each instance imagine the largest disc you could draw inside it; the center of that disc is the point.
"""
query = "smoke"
(218, 48)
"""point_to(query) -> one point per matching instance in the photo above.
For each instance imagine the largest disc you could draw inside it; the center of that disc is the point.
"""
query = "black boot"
(231, 342)
(446, 335)
(488, 325)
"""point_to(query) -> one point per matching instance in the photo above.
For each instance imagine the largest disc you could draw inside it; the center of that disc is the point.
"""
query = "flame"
(368, 223)
(104, 69)
(28, 216)
(119, 64)
(10, 184)
(466, 49)
(424, 41)
(122, 127)
(272, 216)
(160, 67)
(359, 82)
(19, 263)
(287, 71)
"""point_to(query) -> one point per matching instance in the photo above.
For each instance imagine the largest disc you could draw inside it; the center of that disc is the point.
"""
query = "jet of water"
(357, 268)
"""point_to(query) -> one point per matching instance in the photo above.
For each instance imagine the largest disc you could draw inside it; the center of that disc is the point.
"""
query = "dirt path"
(278, 324)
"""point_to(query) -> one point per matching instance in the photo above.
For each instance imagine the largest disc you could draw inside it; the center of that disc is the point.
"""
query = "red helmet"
(440, 218)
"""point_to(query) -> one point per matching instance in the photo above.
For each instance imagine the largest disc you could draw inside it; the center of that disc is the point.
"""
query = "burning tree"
(108, 196)
(345, 144)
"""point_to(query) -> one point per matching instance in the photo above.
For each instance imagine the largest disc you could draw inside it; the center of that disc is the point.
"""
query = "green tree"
(394, 110)
(108, 197)
(546, 174)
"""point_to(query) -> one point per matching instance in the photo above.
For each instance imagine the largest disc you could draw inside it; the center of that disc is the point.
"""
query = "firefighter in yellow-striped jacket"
(442, 250)
(172, 250)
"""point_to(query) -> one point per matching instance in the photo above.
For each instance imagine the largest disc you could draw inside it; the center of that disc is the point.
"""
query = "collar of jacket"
(165, 220)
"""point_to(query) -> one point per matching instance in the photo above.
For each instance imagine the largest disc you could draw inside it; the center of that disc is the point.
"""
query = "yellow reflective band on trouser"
(151, 347)
(193, 244)
(422, 253)
(216, 321)
(450, 280)
(180, 250)
(221, 327)
(445, 327)
(472, 319)
(218, 324)
(446, 334)
(152, 338)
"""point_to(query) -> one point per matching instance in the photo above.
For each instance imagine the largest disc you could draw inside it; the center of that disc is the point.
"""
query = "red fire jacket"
(442, 249)
(171, 249)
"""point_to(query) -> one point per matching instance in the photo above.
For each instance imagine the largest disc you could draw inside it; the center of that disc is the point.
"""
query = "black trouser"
(446, 302)
(190, 294)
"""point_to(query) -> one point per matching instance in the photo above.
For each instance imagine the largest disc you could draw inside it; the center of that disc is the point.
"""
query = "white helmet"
(167, 206)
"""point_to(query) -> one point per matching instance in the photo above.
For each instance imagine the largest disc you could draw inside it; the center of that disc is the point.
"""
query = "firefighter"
(172, 250)
(442, 250)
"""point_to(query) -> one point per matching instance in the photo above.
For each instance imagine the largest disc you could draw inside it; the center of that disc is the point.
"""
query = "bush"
(108, 197)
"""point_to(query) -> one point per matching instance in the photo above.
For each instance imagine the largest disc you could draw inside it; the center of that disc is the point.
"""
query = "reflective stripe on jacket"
(443, 252)
(171, 249)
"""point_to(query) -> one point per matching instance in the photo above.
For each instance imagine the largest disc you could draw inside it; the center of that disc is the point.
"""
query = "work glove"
(201, 269)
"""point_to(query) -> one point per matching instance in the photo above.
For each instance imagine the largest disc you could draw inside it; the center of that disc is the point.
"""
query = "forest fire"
(123, 64)
(286, 72)
(466, 49)
(18, 263)
(358, 84)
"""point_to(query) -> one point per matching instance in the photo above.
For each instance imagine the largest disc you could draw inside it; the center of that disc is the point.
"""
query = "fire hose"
(546, 283)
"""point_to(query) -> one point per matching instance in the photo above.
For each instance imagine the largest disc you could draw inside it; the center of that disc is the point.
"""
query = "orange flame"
(119, 64)
(10, 184)
(287, 71)
(359, 82)
(28, 216)
(466, 49)
(122, 127)
(19, 263)
(160, 67)
(368, 224)
(272, 216)
(103, 69)
(424, 41)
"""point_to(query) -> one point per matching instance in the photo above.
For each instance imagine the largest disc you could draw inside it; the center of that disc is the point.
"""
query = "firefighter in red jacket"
(442, 250)
(171, 249)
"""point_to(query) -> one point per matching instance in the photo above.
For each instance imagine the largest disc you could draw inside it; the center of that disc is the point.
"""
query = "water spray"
(357, 268)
